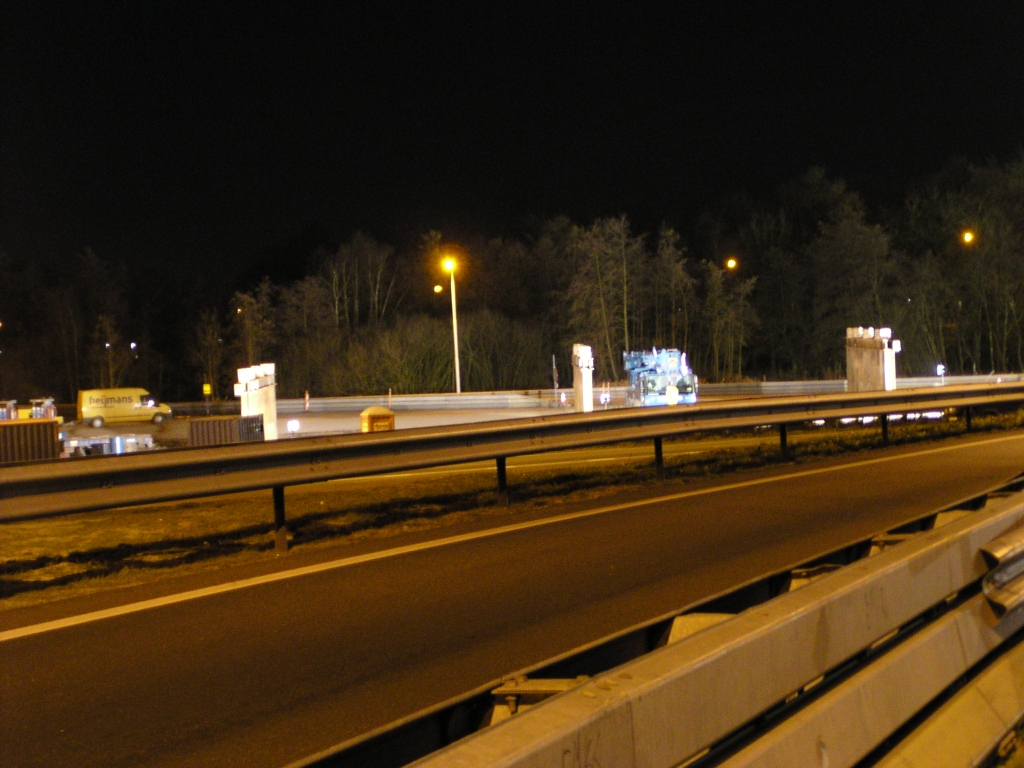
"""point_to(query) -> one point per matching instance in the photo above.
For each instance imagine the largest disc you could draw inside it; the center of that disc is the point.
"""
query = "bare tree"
(674, 291)
(208, 349)
(604, 290)
(252, 324)
(361, 278)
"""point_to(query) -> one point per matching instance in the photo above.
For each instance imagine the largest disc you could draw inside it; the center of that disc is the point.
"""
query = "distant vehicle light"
(293, 426)
(932, 414)
(818, 422)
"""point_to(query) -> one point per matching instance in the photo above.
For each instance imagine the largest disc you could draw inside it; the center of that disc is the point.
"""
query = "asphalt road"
(317, 649)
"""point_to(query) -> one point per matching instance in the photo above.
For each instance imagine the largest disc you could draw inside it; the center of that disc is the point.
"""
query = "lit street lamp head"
(448, 264)
(438, 289)
(731, 263)
(967, 237)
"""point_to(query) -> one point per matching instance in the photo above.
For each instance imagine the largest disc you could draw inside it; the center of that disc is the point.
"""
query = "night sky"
(204, 135)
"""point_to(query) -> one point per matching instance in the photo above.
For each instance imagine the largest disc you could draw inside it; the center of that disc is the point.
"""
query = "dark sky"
(203, 134)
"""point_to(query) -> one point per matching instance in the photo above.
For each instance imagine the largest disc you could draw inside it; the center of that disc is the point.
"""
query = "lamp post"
(449, 266)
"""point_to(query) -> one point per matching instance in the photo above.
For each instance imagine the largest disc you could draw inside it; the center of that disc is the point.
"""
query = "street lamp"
(731, 263)
(967, 237)
(449, 266)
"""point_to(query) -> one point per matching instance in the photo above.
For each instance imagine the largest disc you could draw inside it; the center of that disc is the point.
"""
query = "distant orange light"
(731, 264)
(438, 289)
(968, 237)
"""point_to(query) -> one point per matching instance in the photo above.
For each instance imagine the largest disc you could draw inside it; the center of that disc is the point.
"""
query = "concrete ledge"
(855, 717)
(970, 726)
(666, 707)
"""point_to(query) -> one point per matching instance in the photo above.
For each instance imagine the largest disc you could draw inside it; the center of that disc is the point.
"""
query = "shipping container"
(220, 430)
(29, 440)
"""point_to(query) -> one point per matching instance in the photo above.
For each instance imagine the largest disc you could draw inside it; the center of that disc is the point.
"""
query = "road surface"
(319, 647)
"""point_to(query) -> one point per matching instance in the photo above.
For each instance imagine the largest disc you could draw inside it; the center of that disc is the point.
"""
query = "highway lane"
(267, 673)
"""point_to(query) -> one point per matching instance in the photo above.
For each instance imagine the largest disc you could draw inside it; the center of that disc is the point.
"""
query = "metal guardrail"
(424, 402)
(821, 675)
(551, 398)
(833, 386)
(77, 485)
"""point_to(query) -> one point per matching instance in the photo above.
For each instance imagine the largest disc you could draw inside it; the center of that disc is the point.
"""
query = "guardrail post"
(967, 417)
(280, 528)
(885, 428)
(659, 457)
(783, 448)
(502, 479)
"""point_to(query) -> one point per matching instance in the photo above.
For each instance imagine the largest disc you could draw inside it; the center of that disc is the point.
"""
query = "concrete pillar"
(871, 359)
(583, 377)
(257, 390)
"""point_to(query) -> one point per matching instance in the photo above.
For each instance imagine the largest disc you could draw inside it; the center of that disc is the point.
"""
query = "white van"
(101, 406)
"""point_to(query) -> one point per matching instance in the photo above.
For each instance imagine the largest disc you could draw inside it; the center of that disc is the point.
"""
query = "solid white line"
(121, 610)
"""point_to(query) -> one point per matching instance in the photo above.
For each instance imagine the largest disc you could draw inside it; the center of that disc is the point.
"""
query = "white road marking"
(144, 605)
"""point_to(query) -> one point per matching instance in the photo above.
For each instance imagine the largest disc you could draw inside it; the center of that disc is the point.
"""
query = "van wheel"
(158, 418)
(96, 422)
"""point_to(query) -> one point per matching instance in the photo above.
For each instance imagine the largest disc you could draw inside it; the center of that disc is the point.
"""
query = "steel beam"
(502, 479)
(280, 525)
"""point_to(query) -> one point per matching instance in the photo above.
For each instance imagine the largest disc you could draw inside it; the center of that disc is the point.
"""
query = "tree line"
(945, 270)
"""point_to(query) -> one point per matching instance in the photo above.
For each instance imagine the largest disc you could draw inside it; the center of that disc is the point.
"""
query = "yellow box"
(377, 419)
